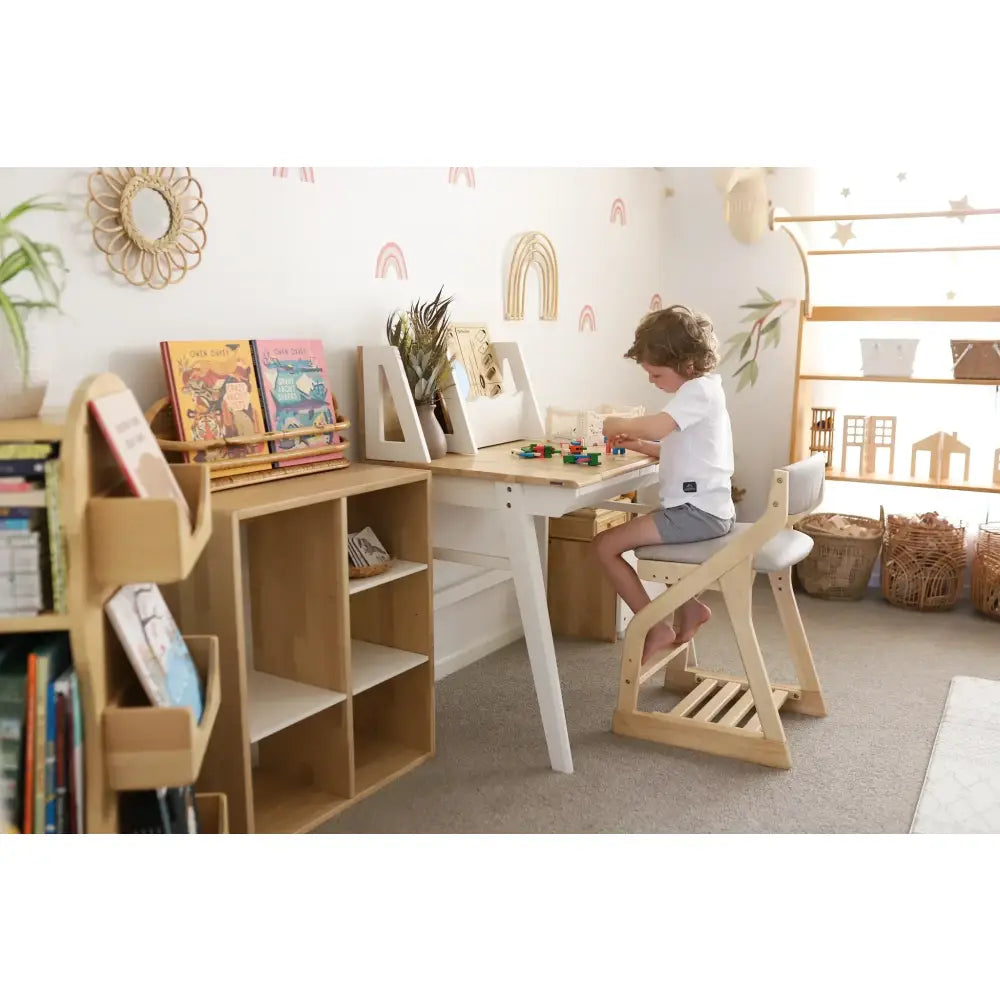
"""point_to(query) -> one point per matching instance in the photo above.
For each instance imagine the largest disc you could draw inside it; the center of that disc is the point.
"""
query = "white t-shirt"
(696, 460)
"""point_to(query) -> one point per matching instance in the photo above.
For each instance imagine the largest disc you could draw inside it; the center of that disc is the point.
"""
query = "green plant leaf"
(33, 205)
(755, 305)
(746, 346)
(13, 264)
(16, 331)
(748, 376)
(765, 296)
(772, 324)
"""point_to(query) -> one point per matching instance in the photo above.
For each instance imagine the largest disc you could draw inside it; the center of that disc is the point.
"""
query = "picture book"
(135, 449)
(296, 392)
(215, 394)
(364, 549)
(155, 647)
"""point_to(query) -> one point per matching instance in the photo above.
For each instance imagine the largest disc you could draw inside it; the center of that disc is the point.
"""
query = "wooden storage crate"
(582, 603)
(152, 540)
(147, 746)
(976, 359)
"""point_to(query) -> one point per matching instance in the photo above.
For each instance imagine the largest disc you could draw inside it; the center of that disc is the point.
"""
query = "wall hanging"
(536, 249)
(390, 256)
(148, 221)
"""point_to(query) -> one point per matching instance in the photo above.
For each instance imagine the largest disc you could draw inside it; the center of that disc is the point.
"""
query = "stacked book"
(32, 553)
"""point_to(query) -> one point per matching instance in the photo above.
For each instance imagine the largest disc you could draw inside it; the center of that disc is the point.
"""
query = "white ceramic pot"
(20, 397)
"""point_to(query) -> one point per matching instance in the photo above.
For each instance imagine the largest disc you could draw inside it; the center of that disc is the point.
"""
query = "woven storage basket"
(986, 571)
(840, 564)
(923, 562)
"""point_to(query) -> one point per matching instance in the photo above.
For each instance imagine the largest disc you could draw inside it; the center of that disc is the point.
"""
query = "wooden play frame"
(722, 714)
(476, 423)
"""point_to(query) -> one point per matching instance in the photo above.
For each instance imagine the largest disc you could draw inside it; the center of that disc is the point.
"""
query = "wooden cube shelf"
(328, 682)
(213, 814)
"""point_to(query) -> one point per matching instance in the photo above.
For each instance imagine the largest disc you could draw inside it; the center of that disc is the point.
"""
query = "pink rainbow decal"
(454, 173)
(655, 303)
(587, 319)
(390, 254)
(305, 173)
(618, 211)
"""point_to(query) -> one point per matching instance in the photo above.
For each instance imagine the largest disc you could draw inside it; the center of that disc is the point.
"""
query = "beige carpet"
(885, 674)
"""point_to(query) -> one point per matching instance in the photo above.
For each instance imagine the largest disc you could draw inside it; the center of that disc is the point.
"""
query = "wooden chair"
(727, 715)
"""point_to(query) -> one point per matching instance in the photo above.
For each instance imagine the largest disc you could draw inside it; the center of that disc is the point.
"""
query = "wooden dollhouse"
(941, 447)
(868, 434)
(821, 430)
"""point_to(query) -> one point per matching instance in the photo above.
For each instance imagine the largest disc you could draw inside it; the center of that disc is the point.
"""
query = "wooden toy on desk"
(537, 451)
(582, 458)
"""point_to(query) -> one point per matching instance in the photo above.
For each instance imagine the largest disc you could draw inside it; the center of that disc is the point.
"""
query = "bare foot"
(689, 618)
(659, 638)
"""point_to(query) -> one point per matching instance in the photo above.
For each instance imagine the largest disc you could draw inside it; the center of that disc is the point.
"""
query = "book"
(13, 711)
(214, 391)
(76, 776)
(155, 647)
(160, 810)
(296, 391)
(135, 449)
(364, 549)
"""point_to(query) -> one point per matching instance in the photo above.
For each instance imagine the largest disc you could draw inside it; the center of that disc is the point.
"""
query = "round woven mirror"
(148, 221)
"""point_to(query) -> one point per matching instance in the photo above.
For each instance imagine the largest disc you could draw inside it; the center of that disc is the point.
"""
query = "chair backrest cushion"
(806, 481)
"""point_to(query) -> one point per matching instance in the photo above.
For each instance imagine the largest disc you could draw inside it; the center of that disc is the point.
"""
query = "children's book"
(296, 391)
(215, 394)
(135, 449)
(155, 647)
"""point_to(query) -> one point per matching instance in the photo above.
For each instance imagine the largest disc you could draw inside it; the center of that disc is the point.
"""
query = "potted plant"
(421, 336)
(22, 387)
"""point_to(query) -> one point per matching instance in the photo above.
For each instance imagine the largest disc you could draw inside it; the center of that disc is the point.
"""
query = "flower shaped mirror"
(148, 221)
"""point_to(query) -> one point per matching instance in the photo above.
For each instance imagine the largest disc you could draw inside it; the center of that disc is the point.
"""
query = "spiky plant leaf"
(32, 205)
(16, 331)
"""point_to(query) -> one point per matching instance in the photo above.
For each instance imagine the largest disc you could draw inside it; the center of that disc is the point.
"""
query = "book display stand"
(111, 538)
(392, 432)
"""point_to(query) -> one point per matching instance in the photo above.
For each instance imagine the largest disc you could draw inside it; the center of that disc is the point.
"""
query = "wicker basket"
(986, 571)
(923, 562)
(844, 551)
(362, 572)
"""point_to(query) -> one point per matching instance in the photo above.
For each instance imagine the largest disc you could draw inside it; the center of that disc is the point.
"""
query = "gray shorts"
(687, 523)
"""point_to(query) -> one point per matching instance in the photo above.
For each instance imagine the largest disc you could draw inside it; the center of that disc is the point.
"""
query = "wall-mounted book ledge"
(151, 747)
(152, 540)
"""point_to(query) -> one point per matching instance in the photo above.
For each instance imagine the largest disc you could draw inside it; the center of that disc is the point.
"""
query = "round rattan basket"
(986, 571)
(923, 562)
(844, 551)
(360, 572)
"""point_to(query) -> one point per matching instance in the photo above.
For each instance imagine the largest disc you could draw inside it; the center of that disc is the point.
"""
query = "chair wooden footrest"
(799, 701)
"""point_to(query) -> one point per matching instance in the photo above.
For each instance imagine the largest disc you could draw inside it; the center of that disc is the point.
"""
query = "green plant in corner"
(765, 331)
(19, 254)
(421, 336)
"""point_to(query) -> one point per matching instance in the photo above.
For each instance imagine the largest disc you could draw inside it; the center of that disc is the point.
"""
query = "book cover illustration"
(155, 647)
(364, 549)
(214, 391)
(128, 434)
(296, 391)
(472, 348)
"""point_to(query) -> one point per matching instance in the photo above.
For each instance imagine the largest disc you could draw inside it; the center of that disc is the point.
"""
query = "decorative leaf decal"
(765, 331)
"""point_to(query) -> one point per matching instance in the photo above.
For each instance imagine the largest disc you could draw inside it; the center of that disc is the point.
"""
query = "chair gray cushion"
(782, 552)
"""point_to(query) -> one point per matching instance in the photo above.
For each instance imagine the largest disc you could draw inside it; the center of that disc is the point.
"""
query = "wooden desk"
(524, 493)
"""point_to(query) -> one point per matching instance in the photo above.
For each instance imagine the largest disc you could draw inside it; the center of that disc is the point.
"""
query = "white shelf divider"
(399, 569)
(275, 703)
(372, 664)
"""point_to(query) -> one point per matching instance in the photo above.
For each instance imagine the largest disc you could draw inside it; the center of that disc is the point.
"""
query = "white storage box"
(888, 357)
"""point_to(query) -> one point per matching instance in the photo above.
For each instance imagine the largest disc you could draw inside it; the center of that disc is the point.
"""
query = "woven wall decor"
(533, 249)
(148, 221)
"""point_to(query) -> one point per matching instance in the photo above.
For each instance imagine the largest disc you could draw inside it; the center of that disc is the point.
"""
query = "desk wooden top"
(499, 464)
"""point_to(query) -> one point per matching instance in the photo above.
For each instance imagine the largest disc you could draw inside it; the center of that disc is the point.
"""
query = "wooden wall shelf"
(327, 681)
(901, 380)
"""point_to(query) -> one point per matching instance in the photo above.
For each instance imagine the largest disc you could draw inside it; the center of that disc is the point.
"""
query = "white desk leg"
(523, 549)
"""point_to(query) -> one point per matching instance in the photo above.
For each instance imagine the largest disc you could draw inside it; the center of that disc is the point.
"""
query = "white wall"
(286, 258)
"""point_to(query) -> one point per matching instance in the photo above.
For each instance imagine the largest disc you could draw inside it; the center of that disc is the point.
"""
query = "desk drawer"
(584, 524)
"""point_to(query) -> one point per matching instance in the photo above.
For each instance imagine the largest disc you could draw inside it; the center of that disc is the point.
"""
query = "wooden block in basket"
(225, 472)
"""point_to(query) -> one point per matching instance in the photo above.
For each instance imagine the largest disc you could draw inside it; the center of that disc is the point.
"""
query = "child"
(693, 440)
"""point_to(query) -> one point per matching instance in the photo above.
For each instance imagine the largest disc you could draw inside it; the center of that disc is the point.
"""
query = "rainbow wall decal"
(618, 211)
(655, 303)
(533, 250)
(454, 173)
(390, 256)
(587, 319)
(305, 173)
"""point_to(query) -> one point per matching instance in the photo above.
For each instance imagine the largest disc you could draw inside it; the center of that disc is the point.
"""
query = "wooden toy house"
(941, 447)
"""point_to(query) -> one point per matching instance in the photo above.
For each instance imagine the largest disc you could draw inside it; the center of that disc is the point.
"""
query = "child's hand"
(626, 441)
(613, 427)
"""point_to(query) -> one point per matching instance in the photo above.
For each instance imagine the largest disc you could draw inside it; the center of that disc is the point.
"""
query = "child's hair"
(676, 338)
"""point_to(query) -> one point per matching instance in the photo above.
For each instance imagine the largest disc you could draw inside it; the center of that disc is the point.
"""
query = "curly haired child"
(692, 438)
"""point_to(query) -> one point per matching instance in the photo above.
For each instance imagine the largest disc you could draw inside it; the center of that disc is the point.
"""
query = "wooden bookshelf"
(327, 681)
(112, 538)
(808, 384)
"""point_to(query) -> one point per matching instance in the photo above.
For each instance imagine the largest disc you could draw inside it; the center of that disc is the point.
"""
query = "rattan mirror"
(148, 221)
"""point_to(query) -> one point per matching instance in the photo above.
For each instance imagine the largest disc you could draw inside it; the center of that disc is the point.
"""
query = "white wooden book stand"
(476, 423)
